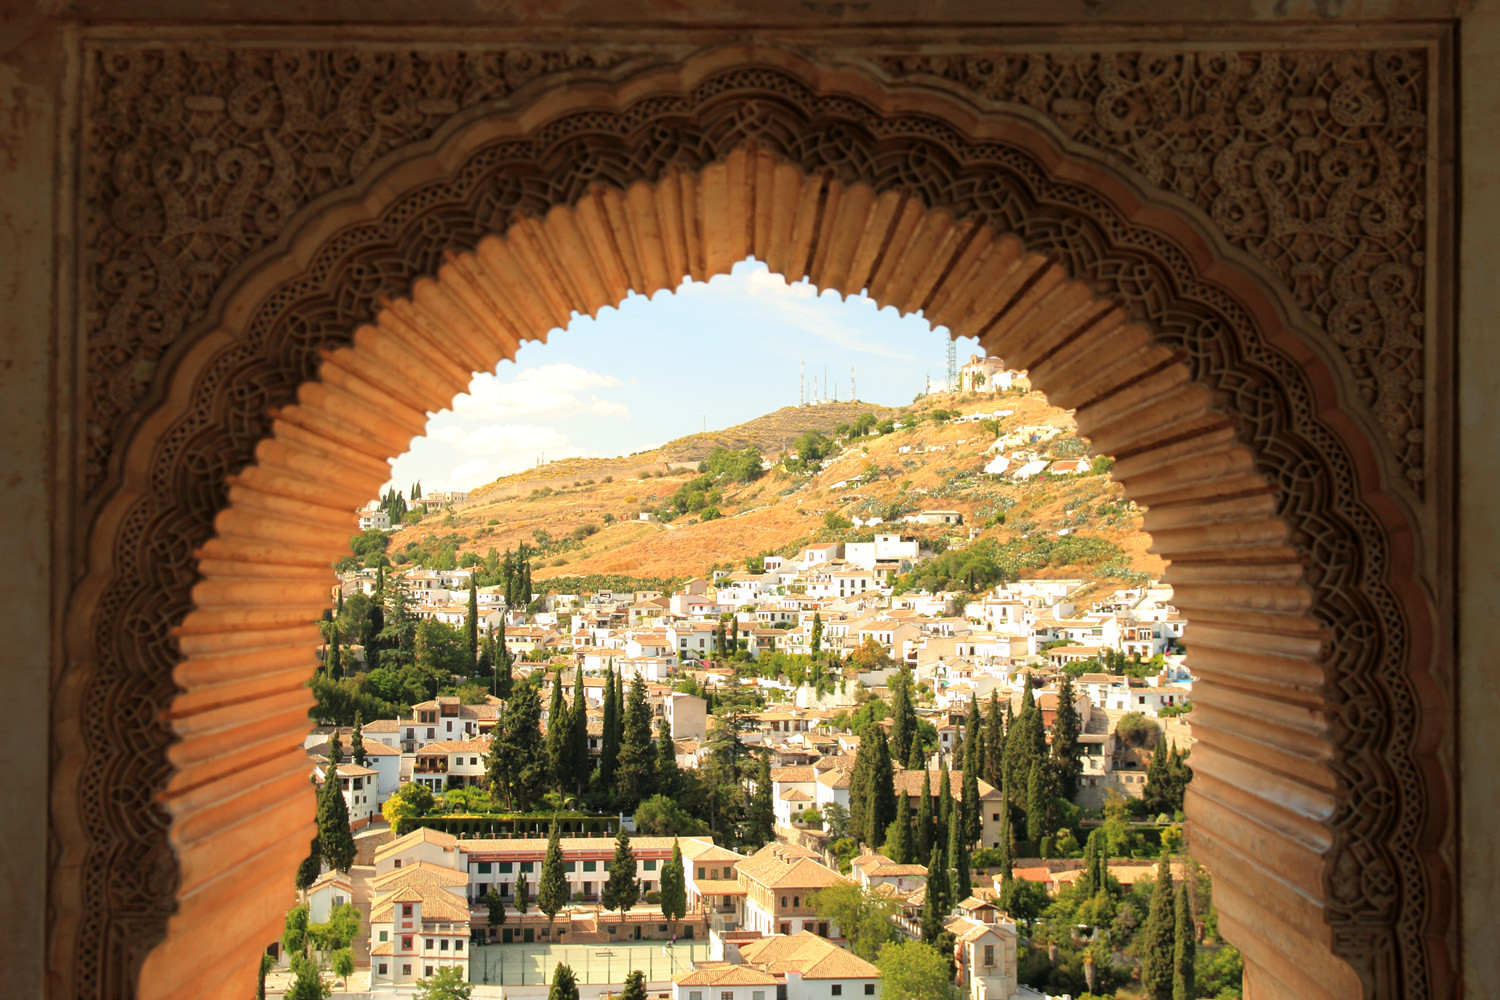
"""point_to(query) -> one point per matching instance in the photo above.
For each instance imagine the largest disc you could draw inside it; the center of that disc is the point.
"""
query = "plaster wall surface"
(30, 65)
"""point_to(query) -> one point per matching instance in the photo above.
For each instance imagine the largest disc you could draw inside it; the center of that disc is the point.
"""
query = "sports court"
(530, 964)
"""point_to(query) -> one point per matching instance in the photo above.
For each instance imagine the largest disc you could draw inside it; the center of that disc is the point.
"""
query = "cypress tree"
(559, 734)
(903, 716)
(504, 682)
(1036, 809)
(335, 841)
(945, 805)
(635, 770)
(1087, 885)
(674, 887)
(973, 809)
(635, 986)
(1185, 949)
(609, 744)
(619, 708)
(1007, 839)
(958, 860)
(1066, 728)
(1156, 942)
(471, 626)
(923, 839)
(994, 741)
(761, 828)
(357, 741)
(621, 890)
(932, 905)
(552, 890)
(523, 894)
(916, 760)
(883, 810)
(517, 768)
(312, 865)
(335, 749)
(334, 667)
(816, 643)
(900, 849)
(668, 778)
(578, 735)
(973, 737)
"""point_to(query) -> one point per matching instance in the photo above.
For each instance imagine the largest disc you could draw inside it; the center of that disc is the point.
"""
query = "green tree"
(553, 891)
(900, 848)
(958, 861)
(1184, 955)
(471, 627)
(357, 740)
(1066, 728)
(578, 735)
(635, 986)
(816, 642)
(294, 930)
(563, 985)
(661, 816)
(872, 791)
(933, 910)
(635, 772)
(1007, 859)
(335, 840)
(923, 838)
(945, 807)
(1036, 806)
(516, 767)
(311, 866)
(609, 743)
(446, 984)
(1156, 943)
(495, 904)
(342, 963)
(559, 733)
(523, 895)
(621, 890)
(761, 827)
(668, 776)
(903, 715)
(307, 981)
(674, 887)
(973, 809)
(913, 970)
(503, 660)
(861, 916)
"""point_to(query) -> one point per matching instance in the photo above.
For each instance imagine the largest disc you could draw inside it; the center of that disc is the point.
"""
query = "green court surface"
(530, 964)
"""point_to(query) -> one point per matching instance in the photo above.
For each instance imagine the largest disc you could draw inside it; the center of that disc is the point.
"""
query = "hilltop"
(584, 515)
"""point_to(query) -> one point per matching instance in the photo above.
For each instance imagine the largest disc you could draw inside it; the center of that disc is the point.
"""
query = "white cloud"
(545, 389)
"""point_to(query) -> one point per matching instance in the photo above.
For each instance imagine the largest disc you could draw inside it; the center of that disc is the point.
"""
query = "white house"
(450, 764)
(375, 520)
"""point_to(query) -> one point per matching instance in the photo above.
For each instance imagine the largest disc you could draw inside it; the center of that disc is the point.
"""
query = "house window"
(796, 901)
(484, 867)
(591, 866)
(382, 968)
(695, 995)
(406, 909)
(443, 944)
(783, 900)
(838, 990)
(384, 936)
(473, 761)
(406, 968)
(869, 989)
(989, 955)
(703, 873)
(726, 995)
(406, 942)
(527, 867)
(458, 945)
(429, 944)
(758, 995)
(431, 733)
(504, 868)
(651, 866)
(429, 970)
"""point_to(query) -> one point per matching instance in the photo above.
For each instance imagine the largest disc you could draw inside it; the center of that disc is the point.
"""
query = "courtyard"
(532, 964)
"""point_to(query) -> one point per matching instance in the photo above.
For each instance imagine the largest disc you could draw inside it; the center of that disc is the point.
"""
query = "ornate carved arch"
(1291, 562)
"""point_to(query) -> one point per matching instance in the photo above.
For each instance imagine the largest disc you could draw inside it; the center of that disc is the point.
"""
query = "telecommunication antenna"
(852, 397)
(802, 385)
(952, 366)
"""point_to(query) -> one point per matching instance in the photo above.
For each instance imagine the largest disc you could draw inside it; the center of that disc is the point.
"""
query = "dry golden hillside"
(585, 513)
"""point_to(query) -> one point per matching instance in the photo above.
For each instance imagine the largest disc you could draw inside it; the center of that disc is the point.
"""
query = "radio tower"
(802, 385)
(952, 366)
(852, 397)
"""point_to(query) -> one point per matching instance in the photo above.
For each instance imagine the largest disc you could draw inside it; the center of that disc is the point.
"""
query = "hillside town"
(781, 774)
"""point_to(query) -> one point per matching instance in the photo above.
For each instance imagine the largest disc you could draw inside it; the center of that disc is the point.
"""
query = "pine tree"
(933, 911)
(552, 890)
(578, 729)
(564, 986)
(1185, 949)
(635, 986)
(816, 642)
(621, 890)
(900, 849)
(973, 809)
(1036, 810)
(924, 817)
(958, 860)
(761, 828)
(903, 716)
(635, 772)
(674, 887)
(357, 741)
(335, 841)
(1066, 728)
(559, 733)
(668, 778)
(609, 744)
(1156, 942)
(471, 626)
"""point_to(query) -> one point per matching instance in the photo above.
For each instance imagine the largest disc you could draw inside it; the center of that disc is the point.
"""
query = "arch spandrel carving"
(676, 136)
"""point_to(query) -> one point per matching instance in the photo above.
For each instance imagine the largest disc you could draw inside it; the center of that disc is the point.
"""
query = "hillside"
(585, 513)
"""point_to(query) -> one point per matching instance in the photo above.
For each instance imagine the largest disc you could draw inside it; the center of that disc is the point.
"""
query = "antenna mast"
(952, 366)
(802, 385)
(852, 397)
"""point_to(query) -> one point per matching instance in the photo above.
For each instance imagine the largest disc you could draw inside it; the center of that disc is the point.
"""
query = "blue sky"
(720, 352)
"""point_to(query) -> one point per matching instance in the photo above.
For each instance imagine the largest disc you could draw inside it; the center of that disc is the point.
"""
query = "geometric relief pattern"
(171, 228)
(1314, 162)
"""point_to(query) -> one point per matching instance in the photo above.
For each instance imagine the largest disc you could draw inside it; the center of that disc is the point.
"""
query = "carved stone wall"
(198, 162)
